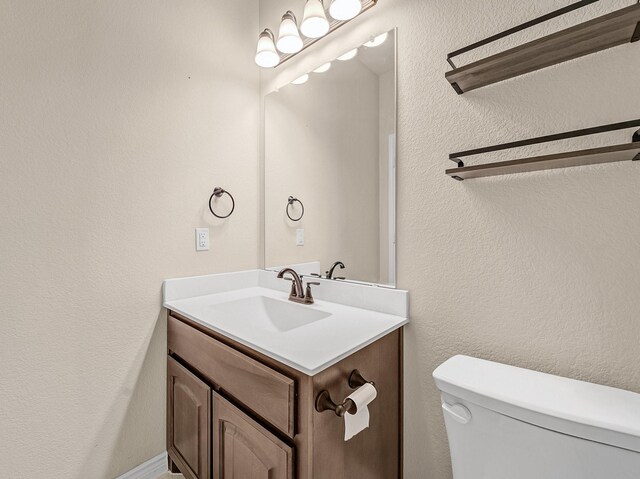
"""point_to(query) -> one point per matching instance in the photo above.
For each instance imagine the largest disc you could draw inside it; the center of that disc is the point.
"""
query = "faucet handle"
(308, 297)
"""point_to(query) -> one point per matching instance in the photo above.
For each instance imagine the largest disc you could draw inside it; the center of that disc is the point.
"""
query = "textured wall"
(117, 119)
(538, 270)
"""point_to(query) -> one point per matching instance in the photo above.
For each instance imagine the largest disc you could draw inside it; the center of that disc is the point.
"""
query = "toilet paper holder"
(325, 403)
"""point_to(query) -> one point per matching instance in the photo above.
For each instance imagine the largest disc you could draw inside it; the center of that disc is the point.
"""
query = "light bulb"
(289, 40)
(349, 55)
(323, 68)
(345, 9)
(300, 80)
(377, 41)
(314, 21)
(266, 54)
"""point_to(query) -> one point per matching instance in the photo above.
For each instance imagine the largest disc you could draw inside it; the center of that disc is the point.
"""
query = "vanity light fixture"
(301, 80)
(314, 22)
(289, 40)
(349, 55)
(345, 9)
(323, 68)
(377, 41)
(292, 40)
(266, 54)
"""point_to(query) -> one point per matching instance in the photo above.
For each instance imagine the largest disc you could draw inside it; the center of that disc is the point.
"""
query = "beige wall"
(321, 146)
(117, 119)
(538, 270)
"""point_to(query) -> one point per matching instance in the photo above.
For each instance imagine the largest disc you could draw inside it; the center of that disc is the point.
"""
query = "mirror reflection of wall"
(330, 142)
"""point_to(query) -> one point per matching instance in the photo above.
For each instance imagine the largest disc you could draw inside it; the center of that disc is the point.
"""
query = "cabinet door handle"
(458, 412)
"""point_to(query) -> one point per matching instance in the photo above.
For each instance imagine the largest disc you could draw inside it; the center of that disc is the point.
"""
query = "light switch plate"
(202, 239)
(300, 237)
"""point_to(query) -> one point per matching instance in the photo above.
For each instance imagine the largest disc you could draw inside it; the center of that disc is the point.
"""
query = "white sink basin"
(252, 308)
(269, 314)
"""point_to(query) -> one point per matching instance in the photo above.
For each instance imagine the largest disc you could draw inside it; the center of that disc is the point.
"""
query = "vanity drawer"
(262, 390)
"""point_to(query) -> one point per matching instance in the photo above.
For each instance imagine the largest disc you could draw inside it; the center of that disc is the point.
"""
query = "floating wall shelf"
(592, 156)
(617, 28)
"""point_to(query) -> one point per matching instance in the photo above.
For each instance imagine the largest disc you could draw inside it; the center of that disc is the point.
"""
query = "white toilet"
(505, 422)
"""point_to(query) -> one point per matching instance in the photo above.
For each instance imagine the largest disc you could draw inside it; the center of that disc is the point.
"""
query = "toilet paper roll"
(358, 422)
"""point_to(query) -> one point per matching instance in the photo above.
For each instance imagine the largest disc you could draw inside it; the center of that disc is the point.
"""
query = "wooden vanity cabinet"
(234, 413)
(243, 449)
(255, 386)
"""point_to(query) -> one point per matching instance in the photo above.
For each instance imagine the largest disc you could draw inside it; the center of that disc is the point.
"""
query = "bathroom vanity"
(245, 368)
(259, 385)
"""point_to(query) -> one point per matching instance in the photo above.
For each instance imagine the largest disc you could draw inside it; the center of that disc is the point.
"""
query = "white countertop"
(327, 333)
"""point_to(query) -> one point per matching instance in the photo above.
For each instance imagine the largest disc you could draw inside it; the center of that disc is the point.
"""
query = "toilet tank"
(505, 422)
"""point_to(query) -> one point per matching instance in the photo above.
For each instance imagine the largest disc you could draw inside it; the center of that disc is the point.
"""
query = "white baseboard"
(152, 469)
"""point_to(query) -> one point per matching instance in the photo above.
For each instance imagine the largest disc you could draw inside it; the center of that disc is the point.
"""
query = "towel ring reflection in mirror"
(290, 201)
(218, 192)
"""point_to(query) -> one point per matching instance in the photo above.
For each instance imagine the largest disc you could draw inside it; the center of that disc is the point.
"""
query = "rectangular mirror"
(329, 168)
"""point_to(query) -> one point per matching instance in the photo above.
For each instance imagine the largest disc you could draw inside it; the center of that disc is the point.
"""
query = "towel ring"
(218, 192)
(290, 202)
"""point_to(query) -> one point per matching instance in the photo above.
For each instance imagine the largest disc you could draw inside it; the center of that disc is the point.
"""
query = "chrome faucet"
(298, 295)
(331, 270)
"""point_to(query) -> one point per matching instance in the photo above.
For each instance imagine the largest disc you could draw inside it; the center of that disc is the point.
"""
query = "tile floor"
(167, 475)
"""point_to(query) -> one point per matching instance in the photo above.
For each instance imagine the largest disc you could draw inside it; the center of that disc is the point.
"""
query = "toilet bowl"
(505, 422)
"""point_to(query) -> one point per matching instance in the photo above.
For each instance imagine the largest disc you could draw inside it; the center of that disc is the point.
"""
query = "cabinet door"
(245, 450)
(188, 422)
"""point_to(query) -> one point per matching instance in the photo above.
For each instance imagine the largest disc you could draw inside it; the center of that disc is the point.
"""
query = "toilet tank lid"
(590, 411)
